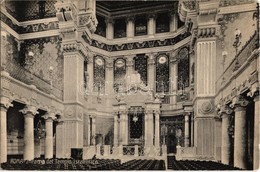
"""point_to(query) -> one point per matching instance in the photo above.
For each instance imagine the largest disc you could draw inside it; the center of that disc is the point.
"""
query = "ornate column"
(151, 71)
(110, 28)
(173, 21)
(5, 104)
(49, 117)
(109, 77)
(187, 129)
(173, 77)
(157, 129)
(151, 24)
(116, 129)
(29, 113)
(225, 112)
(72, 27)
(240, 142)
(130, 28)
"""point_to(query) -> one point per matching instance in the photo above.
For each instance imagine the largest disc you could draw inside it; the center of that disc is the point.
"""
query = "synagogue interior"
(130, 85)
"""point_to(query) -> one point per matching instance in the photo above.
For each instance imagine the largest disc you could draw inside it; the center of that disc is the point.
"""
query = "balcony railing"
(20, 73)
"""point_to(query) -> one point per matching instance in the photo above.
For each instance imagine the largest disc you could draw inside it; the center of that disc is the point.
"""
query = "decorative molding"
(206, 107)
(137, 45)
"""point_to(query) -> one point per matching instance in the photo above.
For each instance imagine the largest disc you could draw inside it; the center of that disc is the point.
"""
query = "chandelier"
(135, 112)
(39, 131)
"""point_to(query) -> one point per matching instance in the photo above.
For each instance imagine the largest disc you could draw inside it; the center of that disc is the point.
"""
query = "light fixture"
(51, 75)
(30, 54)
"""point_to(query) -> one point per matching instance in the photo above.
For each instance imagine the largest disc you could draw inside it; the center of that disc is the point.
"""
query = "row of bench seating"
(197, 165)
(138, 164)
(98, 164)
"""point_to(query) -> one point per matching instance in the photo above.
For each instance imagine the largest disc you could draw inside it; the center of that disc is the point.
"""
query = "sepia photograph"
(129, 85)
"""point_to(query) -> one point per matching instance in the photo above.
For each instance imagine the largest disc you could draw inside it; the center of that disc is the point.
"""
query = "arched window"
(183, 68)
(99, 74)
(119, 73)
(162, 73)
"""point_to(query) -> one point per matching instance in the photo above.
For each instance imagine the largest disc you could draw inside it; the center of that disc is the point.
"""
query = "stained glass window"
(141, 66)
(99, 74)
(162, 73)
(183, 69)
(119, 73)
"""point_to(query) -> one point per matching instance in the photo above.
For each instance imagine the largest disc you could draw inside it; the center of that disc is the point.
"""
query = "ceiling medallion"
(162, 60)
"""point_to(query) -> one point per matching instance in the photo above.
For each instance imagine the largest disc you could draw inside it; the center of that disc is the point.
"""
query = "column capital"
(152, 15)
(109, 63)
(90, 56)
(130, 18)
(225, 111)
(239, 102)
(49, 116)
(6, 103)
(129, 61)
(29, 111)
(109, 20)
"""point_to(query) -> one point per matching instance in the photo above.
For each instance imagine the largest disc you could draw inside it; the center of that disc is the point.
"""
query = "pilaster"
(151, 71)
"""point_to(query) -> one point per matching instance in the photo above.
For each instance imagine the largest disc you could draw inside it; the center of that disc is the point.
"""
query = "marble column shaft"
(240, 140)
(151, 25)
(151, 69)
(115, 130)
(187, 131)
(130, 27)
(109, 29)
(225, 140)
(3, 127)
(157, 129)
(49, 138)
(257, 132)
(173, 22)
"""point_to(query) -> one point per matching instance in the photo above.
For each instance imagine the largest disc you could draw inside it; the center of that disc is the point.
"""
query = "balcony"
(22, 74)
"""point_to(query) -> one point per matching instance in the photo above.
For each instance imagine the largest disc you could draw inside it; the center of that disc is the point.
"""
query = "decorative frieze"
(137, 45)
